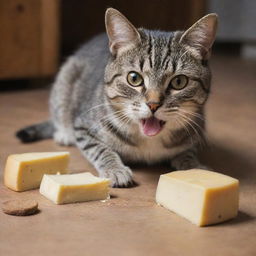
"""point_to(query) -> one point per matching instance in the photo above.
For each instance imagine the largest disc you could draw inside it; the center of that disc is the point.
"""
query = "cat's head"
(155, 78)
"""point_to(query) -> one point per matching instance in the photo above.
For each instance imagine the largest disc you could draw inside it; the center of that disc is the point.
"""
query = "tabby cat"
(132, 95)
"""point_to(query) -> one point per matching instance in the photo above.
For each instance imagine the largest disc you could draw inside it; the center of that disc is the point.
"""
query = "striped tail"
(36, 132)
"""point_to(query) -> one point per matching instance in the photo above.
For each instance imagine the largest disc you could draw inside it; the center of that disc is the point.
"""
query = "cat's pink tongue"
(151, 126)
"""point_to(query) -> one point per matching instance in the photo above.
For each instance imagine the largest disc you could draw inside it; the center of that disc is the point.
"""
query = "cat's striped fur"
(94, 107)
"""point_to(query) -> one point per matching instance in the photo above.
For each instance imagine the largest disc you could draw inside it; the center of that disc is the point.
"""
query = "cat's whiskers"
(182, 125)
(103, 120)
(191, 124)
(103, 105)
(120, 115)
(111, 117)
(188, 121)
(180, 121)
(206, 137)
(123, 120)
(192, 121)
(192, 114)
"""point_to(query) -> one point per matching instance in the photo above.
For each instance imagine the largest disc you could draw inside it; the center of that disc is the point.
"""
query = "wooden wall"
(29, 45)
(82, 19)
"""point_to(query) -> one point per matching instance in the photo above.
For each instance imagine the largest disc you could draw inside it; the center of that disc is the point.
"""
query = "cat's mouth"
(152, 126)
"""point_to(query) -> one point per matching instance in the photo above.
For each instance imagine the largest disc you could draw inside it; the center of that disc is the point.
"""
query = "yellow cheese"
(25, 171)
(72, 188)
(201, 196)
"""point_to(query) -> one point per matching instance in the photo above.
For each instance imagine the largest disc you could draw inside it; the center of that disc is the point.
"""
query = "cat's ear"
(200, 37)
(121, 33)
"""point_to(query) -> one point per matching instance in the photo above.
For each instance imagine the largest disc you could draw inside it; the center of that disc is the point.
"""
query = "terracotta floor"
(131, 223)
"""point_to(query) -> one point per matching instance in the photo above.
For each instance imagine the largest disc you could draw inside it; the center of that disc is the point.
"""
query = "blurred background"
(37, 35)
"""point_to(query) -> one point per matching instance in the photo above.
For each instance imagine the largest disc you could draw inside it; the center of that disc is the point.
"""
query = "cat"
(133, 95)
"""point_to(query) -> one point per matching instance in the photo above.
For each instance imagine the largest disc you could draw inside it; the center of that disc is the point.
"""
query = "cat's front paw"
(64, 138)
(120, 178)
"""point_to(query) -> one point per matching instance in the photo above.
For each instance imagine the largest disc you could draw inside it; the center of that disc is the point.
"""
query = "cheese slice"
(72, 188)
(25, 171)
(203, 197)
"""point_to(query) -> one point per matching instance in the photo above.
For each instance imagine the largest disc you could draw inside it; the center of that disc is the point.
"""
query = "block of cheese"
(25, 171)
(72, 188)
(203, 197)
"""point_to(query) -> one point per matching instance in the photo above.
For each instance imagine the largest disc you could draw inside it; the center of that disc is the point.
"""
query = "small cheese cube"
(72, 188)
(203, 197)
(25, 171)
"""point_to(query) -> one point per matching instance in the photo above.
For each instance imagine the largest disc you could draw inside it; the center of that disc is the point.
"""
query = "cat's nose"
(153, 106)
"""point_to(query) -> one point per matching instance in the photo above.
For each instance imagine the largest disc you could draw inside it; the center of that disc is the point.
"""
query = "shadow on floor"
(242, 217)
(238, 164)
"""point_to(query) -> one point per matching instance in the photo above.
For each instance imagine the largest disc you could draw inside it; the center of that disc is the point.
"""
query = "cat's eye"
(179, 82)
(134, 79)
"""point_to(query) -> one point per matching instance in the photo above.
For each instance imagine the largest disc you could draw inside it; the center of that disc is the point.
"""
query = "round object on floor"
(20, 207)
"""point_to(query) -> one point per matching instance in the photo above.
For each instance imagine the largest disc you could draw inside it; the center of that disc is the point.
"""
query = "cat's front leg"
(187, 160)
(106, 161)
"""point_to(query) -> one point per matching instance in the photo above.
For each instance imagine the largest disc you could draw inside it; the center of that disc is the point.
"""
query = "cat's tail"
(36, 132)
